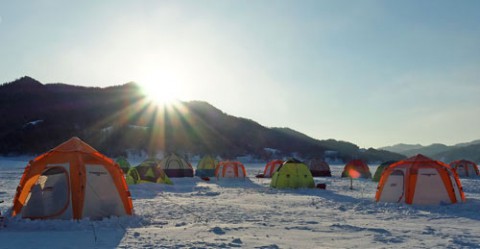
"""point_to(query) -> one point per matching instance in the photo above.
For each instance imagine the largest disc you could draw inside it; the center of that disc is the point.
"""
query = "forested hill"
(36, 117)
(447, 153)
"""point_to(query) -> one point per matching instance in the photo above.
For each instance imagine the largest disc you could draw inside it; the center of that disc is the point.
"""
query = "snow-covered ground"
(248, 214)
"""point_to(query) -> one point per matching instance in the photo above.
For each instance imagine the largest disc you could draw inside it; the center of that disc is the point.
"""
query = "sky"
(374, 73)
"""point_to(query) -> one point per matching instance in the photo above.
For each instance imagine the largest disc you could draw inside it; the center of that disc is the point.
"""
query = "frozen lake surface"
(248, 214)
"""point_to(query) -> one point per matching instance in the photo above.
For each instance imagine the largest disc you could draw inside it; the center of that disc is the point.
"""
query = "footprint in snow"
(217, 230)
(237, 241)
(181, 224)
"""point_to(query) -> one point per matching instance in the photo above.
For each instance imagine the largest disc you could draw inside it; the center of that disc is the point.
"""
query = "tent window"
(461, 170)
(49, 196)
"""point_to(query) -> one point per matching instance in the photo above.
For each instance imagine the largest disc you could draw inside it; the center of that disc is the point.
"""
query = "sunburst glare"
(160, 89)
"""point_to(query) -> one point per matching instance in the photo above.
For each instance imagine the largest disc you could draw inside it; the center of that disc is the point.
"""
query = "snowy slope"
(248, 214)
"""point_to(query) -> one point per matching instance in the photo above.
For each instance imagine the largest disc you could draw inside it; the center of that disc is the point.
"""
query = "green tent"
(292, 174)
(176, 166)
(123, 163)
(380, 169)
(206, 167)
(148, 171)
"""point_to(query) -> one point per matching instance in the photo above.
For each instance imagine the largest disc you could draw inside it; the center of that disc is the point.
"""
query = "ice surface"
(248, 214)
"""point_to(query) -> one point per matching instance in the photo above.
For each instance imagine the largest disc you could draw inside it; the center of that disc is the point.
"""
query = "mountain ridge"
(467, 150)
(106, 118)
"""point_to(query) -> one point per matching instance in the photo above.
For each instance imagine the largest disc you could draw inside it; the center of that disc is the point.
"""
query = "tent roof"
(74, 144)
(292, 160)
(419, 160)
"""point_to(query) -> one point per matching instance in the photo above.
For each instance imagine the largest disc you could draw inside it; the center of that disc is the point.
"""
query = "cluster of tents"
(159, 171)
(154, 170)
(74, 181)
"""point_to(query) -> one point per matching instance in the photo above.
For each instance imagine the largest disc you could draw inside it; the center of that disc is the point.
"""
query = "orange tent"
(230, 169)
(72, 181)
(356, 169)
(271, 167)
(419, 180)
(465, 168)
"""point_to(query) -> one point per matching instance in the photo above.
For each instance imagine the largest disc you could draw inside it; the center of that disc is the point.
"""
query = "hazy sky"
(370, 72)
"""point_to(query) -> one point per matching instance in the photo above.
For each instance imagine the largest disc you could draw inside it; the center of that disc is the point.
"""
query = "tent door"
(394, 188)
(229, 172)
(101, 195)
(49, 197)
(430, 188)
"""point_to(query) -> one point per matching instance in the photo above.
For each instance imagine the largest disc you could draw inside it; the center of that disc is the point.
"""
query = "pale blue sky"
(370, 72)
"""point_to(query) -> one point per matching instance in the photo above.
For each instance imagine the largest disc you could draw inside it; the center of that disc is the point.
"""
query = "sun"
(160, 90)
(160, 93)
